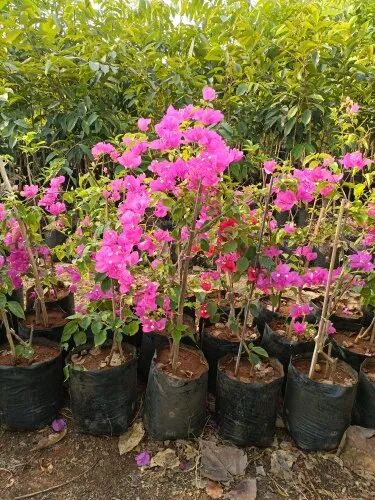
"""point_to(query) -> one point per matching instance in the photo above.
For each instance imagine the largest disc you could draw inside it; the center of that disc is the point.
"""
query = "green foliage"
(74, 73)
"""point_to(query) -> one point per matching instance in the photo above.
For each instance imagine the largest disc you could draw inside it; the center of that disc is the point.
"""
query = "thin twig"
(51, 488)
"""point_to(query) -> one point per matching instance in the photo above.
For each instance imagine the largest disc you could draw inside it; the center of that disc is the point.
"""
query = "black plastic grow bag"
(175, 408)
(246, 412)
(317, 414)
(103, 400)
(364, 407)
(282, 348)
(354, 359)
(31, 396)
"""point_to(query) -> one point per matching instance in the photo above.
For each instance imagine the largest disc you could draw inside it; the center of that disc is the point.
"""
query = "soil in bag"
(317, 411)
(282, 345)
(31, 390)
(350, 351)
(102, 397)
(151, 341)
(217, 341)
(364, 407)
(246, 404)
(175, 403)
(53, 331)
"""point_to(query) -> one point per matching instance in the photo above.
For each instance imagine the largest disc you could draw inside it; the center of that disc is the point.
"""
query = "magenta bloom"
(208, 93)
(298, 327)
(2, 212)
(102, 148)
(269, 166)
(143, 124)
(354, 108)
(143, 459)
(298, 310)
(285, 200)
(272, 252)
(57, 208)
(160, 210)
(2, 261)
(290, 228)
(29, 191)
(361, 261)
(355, 160)
(331, 329)
(307, 252)
(58, 425)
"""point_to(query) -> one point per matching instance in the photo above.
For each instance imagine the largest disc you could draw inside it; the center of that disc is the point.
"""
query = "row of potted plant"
(148, 210)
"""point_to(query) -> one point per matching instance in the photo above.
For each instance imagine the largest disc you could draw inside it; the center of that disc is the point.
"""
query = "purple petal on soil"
(143, 459)
(59, 425)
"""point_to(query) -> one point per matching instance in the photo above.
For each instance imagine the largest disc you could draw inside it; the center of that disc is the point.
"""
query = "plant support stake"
(319, 339)
(25, 236)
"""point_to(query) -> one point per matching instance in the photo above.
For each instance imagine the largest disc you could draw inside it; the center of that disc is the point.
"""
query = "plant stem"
(319, 339)
(186, 256)
(248, 303)
(25, 237)
(8, 332)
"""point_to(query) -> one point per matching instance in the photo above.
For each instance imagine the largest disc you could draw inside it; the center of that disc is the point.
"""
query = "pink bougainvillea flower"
(285, 200)
(143, 459)
(57, 208)
(160, 210)
(208, 93)
(298, 310)
(290, 228)
(361, 261)
(2, 260)
(143, 124)
(307, 252)
(355, 160)
(2, 212)
(58, 425)
(298, 327)
(331, 330)
(163, 235)
(102, 148)
(272, 252)
(227, 262)
(269, 166)
(29, 191)
(354, 108)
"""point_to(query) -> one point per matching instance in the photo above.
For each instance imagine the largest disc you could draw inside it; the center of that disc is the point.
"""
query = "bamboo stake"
(8, 332)
(319, 339)
(184, 275)
(247, 307)
(25, 237)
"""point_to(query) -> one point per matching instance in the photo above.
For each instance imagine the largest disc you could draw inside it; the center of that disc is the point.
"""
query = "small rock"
(260, 471)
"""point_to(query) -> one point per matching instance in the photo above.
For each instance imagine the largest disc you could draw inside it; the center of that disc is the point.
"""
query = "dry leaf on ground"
(214, 490)
(131, 438)
(166, 458)
(50, 440)
(221, 463)
(245, 490)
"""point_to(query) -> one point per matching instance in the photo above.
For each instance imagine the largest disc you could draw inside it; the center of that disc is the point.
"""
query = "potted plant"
(30, 370)
(320, 386)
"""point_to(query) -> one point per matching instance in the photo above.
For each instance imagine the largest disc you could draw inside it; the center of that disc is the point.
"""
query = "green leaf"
(253, 359)
(306, 117)
(292, 112)
(289, 126)
(254, 310)
(80, 338)
(260, 351)
(131, 328)
(242, 89)
(68, 331)
(23, 351)
(242, 264)
(211, 309)
(3, 301)
(15, 308)
(106, 285)
(205, 245)
(230, 246)
(267, 262)
(85, 322)
(100, 338)
(96, 327)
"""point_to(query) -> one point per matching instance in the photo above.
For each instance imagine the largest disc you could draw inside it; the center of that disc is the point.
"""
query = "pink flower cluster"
(49, 199)
(146, 308)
